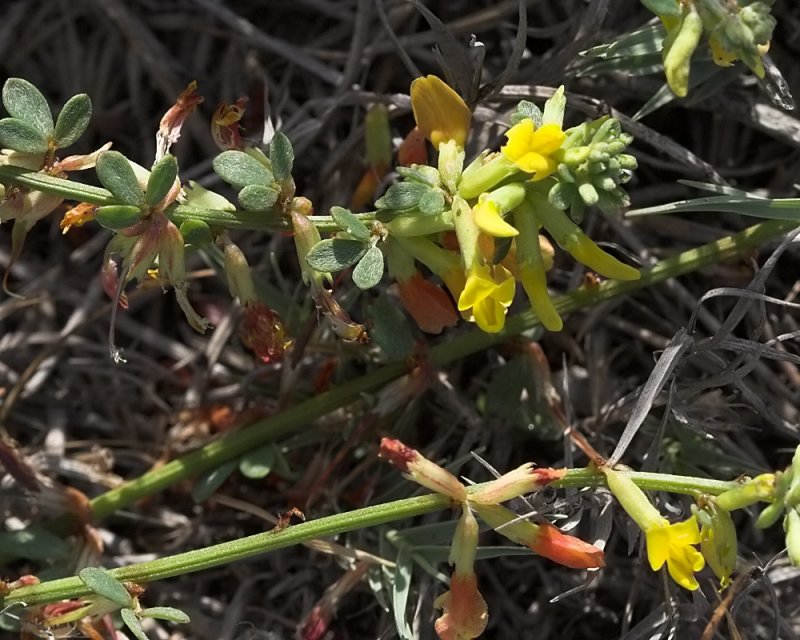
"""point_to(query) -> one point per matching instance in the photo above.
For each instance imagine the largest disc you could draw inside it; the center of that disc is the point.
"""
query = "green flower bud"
(718, 541)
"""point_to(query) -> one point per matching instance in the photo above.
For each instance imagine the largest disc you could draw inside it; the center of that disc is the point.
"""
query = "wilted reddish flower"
(426, 302)
(225, 127)
(78, 216)
(262, 331)
(169, 129)
(522, 480)
(421, 470)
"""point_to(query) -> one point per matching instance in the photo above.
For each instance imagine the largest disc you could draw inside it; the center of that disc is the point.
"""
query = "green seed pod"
(769, 515)
(678, 51)
(791, 526)
(718, 541)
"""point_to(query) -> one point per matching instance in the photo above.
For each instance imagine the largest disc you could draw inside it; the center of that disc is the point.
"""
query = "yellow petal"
(532, 162)
(439, 111)
(657, 546)
(504, 293)
(489, 220)
(479, 286)
(519, 137)
(686, 532)
(490, 315)
(549, 170)
(547, 139)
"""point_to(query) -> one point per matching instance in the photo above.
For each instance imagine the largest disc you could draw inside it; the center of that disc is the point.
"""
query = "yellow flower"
(531, 149)
(489, 220)
(488, 293)
(673, 544)
(722, 57)
(439, 111)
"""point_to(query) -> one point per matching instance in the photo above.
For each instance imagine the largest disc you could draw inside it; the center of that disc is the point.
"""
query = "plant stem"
(240, 219)
(235, 550)
(235, 444)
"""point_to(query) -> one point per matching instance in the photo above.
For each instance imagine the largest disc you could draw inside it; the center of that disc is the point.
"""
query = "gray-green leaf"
(73, 120)
(25, 102)
(258, 463)
(104, 584)
(348, 222)
(132, 622)
(369, 270)
(116, 174)
(402, 196)
(432, 202)
(20, 136)
(118, 216)
(165, 613)
(240, 169)
(335, 254)
(162, 177)
(257, 197)
(421, 173)
(281, 155)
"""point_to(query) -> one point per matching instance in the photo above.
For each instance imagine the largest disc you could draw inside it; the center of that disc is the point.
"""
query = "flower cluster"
(465, 613)
(734, 29)
(476, 227)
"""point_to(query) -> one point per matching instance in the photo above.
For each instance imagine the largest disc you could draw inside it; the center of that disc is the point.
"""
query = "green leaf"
(349, 223)
(200, 197)
(401, 586)
(196, 232)
(257, 197)
(258, 463)
(281, 155)
(73, 120)
(165, 613)
(390, 329)
(162, 177)
(335, 254)
(402, 196)
(116, 174)
(432, 202)
(132, 622)
(25, 102)
(369, 270)
(421, 173)
(207, 483)
(118, 216)
(240, 169)
(20, 136)
(104, 584)
(32, 543)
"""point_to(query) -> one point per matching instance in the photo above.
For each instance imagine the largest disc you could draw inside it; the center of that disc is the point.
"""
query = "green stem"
(246, 220)
(235, 550)
(235, 444)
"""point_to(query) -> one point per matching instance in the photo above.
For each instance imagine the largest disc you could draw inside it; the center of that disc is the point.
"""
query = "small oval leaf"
(132, 622)
(369, 270)
(258, 463)
(162, 177)
(240, 169)
(402, 196)
(73, 120)
(257, 197)
(116, 174)
(20, 136)
(281, 155)
(165, 613)
(335, 254)
(104, 584)
(118, 216)
(25, 102)
(349, 223)
(209, 482)
(196, 232)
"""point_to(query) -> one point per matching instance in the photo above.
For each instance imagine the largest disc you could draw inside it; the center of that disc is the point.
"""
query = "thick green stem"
(235, 444)
(235, 550)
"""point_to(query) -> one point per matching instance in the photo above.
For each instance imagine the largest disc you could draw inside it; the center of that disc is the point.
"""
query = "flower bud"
(718, 540)
(421, 470)
(522, 480)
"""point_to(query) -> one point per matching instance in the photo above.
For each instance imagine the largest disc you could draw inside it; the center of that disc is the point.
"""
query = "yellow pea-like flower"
(439, 111)
(532, 149)
(488, 293)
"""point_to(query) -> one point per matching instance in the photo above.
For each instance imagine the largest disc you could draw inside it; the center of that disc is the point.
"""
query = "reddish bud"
(169, 129)
(421, 470)
(567, 550)
(413, 150)
(524, 479)
(426, 302)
